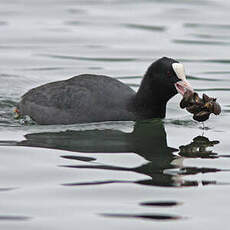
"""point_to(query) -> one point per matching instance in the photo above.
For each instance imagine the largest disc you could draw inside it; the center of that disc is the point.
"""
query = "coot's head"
(163, 79)
(169, 75)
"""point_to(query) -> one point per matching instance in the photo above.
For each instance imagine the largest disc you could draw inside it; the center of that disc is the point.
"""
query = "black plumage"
(94, 98)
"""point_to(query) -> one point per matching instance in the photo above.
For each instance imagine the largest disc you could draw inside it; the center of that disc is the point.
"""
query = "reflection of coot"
(148, 140)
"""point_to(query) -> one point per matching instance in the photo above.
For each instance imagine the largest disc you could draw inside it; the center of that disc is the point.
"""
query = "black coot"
(95, 98)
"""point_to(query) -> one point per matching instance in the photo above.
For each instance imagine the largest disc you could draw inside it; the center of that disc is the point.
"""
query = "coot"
(94, 98)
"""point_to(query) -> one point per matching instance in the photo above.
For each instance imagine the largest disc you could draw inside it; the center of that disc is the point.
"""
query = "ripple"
(95, 183)
(79, 158)
(6, 189)
(219, 61)
(44, 69)
(216, 72)
(187, 123)
(13, 218)
(210, 36)
(5, 75)
(160, 203)
(74, 23)
(146, 27)
(207, 25)
(157, 217)
(95, 68)
(76, 11)
(3, 23)
(202, 79)
(8, 143)
(200, 42)
(213, 89)
(226, 110)
(195, 2)
(105, 59)
(129, 77)
(6, 103)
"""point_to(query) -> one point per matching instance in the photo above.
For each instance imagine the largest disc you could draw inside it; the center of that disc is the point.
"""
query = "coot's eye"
(169, 74)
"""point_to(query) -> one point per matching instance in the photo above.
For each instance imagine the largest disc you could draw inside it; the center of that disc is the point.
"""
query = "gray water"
(114, 175)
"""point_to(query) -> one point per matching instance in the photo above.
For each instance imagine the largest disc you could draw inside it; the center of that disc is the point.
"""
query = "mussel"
(186, 100)
(206, 98)
(201, 108)
(196, 108)
(212, 106)
(197, 99)
(201, 116)
(216, 108)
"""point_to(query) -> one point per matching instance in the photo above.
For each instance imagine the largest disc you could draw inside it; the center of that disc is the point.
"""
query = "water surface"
(163, 174)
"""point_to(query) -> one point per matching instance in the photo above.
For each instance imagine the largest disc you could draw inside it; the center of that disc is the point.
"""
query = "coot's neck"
(150, 101)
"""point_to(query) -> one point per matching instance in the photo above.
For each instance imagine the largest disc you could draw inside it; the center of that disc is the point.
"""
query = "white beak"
(183, 85)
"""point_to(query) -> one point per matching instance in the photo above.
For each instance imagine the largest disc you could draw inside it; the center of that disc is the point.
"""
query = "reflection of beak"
(183, 86)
